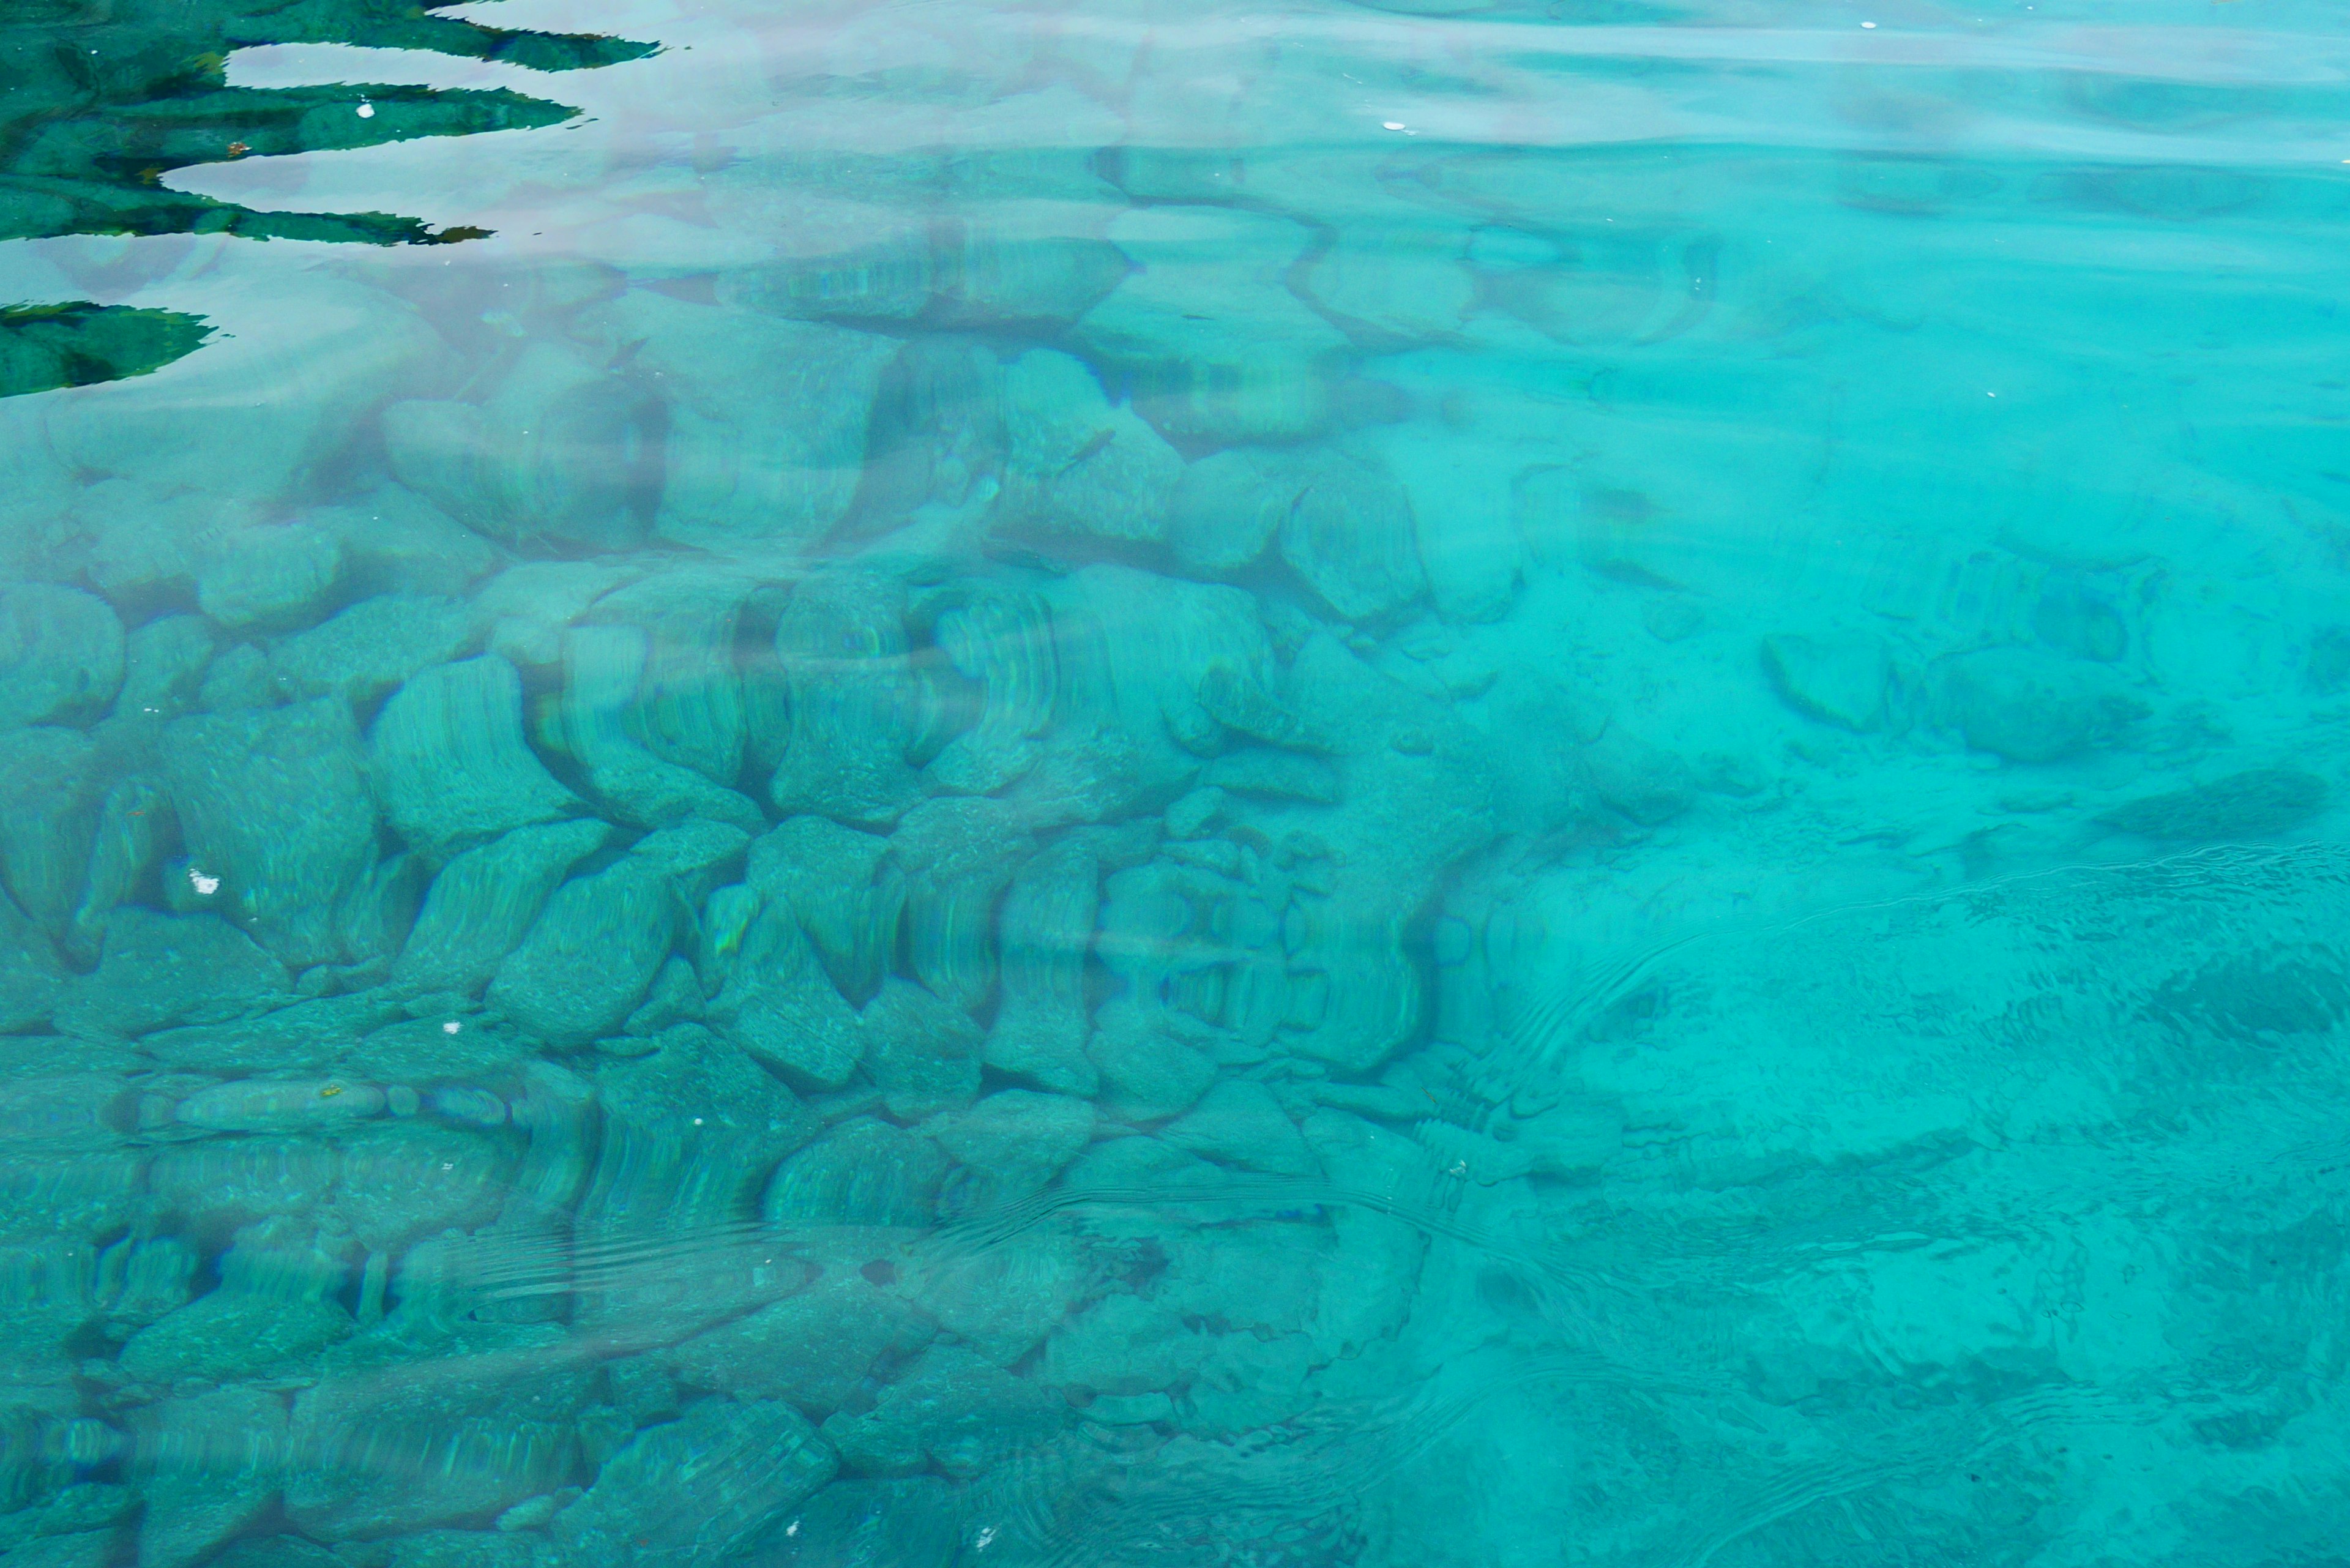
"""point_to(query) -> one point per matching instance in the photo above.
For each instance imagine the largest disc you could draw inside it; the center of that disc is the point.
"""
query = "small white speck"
(1868, 24)
(697, 1121)
(792, 1529)
(448, 1165)
(205, 887)
(1991, 394)
(367, 111)
(450, 1027)
(1392, 125)
(985, 1536)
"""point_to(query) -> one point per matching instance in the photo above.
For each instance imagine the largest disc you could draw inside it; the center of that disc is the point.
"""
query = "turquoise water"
(1184, 786)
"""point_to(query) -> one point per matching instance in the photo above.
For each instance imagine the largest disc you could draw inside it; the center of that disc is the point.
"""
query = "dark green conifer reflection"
(100, 100)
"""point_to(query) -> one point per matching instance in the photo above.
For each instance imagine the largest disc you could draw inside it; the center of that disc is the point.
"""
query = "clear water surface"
(1126, 783)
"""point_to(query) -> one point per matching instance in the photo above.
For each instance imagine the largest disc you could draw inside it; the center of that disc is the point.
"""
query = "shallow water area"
(922, 784)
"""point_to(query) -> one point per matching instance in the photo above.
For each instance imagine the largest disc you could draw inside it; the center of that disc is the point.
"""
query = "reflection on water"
(104, 99)
(1086, 784)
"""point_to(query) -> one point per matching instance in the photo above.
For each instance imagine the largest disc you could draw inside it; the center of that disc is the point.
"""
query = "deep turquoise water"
(1185, 786)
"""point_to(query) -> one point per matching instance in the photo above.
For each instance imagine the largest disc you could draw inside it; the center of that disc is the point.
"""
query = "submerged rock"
(51, 787)
(921, 1050)
(914, 1523)
(776, 1001)
(842, 644)
(765, 420)
(1076, 464)
(1840, 681)
(1240, 1123)
(61, 654)
(699, 1489)
(2253, 803)
(817, 1348)
(863, 1172)
(268, 578)
(158, 970)
(845, 890)
(2032, 707)
(1349, 534)
(164, 666)
(588, 958)
(1045, 931)
(450, 762)
(1002, 640)
(1014, 1141)
(603, 668)
(485, 900)
(275, 803)
(563, 452)
(372, 646)
(953, 1411)
(1229, 505)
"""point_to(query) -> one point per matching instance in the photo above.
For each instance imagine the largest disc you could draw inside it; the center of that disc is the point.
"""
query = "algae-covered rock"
(588, 958)
(276, 805)
(158, 970)
(372, 646)
(699, 1489)
(450, 762)
(61, 654)
(484, 901)
(862, 1172)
